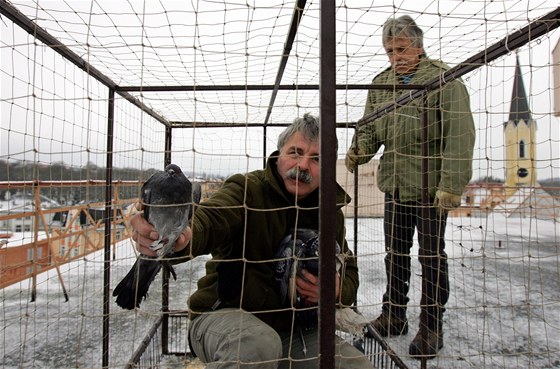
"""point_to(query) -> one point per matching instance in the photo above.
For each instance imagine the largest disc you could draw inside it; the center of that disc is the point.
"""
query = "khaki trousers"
(230, 338)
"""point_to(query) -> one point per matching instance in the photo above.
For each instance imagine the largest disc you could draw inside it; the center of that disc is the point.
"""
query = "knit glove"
(447, 201)
(352, 158)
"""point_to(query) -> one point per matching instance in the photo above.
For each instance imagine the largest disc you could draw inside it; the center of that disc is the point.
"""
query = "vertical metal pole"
(167, 153)
(355, 194)
(264, 144)
(166, 274)
(35, 258)
(425, 218)
(327, 194)
(108, 217)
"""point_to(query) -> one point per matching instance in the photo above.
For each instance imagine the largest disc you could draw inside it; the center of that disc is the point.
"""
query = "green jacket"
(451, 136)
(242, 225)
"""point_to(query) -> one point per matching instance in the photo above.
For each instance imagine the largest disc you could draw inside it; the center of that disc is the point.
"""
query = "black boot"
(426, 344)
(390, 325)
(429, 339)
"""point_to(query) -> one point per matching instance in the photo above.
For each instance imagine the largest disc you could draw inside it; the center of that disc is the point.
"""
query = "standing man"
(240, 317)
(451, 136)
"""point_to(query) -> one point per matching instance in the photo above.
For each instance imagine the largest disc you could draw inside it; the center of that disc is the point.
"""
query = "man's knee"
(260, 343)
(236, 339)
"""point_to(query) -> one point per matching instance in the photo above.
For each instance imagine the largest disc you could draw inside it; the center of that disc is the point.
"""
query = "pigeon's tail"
(134, 287)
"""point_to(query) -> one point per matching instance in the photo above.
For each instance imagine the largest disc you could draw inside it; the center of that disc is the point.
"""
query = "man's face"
(403, 56)
(298, 165)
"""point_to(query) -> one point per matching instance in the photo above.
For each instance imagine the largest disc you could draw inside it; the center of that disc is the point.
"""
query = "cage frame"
(328, 87)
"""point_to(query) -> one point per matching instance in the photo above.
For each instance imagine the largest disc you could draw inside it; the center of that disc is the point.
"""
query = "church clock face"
(522, 172)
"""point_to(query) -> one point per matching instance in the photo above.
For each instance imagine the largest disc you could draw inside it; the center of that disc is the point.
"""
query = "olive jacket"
(242, 226)
(451, 136)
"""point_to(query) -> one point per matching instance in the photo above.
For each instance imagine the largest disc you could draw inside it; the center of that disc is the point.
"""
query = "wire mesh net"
(194, 82)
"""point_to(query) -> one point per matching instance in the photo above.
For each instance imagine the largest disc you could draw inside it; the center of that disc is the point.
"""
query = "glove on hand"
(447, 201)
(352, 157)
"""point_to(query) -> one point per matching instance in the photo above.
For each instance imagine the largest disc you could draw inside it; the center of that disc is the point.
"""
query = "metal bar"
(42, 35)
(511, 42)
(356, 209)
(80, 183)
(258, 88)
(327, 190)
(356, 192)
(165, 273)
(265, 135)
(296, 17)
(425, 219)
(179, 124)
(372, 333)
(108, 218)
(135, 359)
(168, 139)
(37, 200)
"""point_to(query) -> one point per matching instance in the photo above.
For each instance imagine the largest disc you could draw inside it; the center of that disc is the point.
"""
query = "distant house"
(480, 198)
(18, 262)
(529, 202)
(370, 200)
(24, 204)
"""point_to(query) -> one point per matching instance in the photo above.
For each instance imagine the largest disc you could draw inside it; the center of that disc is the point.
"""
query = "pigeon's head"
(173, 170)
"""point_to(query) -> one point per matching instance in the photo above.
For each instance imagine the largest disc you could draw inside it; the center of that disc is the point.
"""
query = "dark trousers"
(400, 222)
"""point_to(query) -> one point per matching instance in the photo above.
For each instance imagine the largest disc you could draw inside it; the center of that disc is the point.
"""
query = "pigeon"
(167, 198)
(299, 250)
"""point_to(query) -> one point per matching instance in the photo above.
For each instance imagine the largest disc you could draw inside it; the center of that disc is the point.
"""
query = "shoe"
(434, 342)
(390, 325)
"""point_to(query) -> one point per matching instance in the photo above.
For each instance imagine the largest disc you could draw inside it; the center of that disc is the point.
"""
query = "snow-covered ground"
(503, 311)
(504, 307)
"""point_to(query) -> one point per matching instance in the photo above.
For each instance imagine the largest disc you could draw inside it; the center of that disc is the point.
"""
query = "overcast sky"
(51, 111)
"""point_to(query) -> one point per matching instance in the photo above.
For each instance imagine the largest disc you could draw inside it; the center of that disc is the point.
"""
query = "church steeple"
(519, 108)
(520, 139)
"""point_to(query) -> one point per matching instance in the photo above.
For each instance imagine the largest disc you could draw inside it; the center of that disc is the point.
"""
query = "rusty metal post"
(108, 217)
(327, 192)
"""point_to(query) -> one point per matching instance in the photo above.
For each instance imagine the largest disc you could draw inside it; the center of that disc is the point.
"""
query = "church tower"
(520, 137)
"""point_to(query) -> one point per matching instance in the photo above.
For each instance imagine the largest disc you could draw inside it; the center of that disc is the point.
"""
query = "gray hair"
(308, 126)
(403, 26)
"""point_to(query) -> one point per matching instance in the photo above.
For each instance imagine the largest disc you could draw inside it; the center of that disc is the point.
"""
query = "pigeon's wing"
(283, 265)
(146, 192)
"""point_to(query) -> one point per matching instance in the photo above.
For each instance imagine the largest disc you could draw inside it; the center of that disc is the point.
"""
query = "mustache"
(299, 175)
